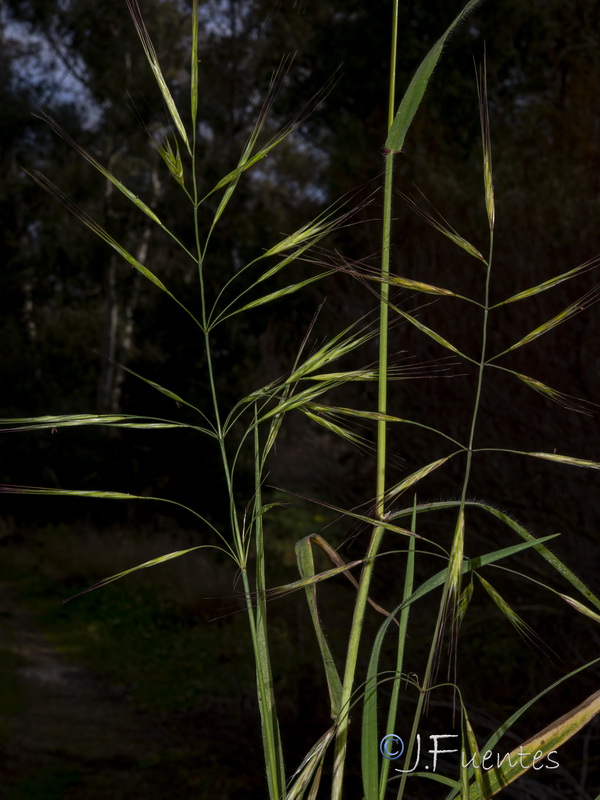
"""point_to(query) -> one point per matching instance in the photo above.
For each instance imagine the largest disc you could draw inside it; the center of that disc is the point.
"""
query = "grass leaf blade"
(416, 89)
(152, 563)
(544, 743)
(306, 568)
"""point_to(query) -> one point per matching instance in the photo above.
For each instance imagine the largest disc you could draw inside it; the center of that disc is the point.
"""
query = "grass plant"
(398, 513)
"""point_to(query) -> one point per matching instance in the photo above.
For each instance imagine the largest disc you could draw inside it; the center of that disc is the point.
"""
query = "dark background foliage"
(69, 309)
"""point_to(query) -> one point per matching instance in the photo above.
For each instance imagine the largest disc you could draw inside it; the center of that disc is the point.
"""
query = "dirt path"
(67, 733)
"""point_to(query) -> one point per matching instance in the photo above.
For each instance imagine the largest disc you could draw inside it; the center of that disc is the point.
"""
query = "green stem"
(402, 636)
(264, 685)
(383, 335)
(443, 608)
(258, 629)
(413, 735)
(486, 311)
(235, 527)
(377, 535)
(257, 618)
(199, 252)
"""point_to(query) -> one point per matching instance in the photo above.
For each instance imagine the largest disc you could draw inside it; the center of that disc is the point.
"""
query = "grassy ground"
(145, 688)
(116, 693)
